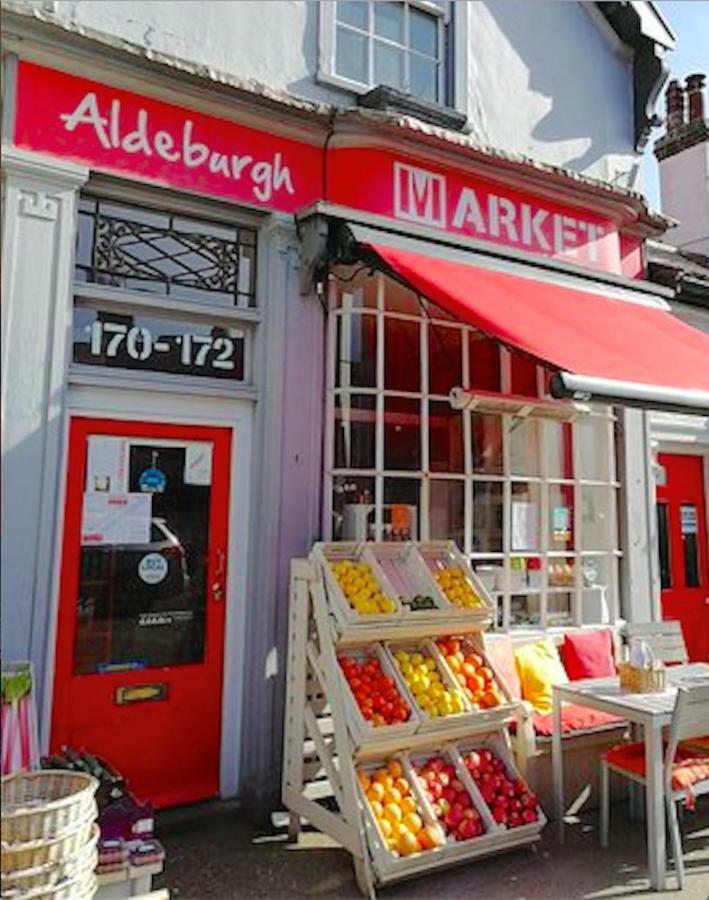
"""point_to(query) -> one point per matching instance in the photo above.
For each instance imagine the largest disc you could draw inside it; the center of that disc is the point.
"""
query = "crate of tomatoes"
(376, 704)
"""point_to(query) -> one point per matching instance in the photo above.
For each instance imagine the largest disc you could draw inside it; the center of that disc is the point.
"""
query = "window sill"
(387, 99)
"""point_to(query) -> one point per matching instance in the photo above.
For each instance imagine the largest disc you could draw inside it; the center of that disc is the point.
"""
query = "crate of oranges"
(375, 699)
(464, 658)
(357, 589)
(457, 581)
(437, 696)
(398, 822)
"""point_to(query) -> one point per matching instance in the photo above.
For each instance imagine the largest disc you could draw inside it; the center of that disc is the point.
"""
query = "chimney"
(674, 100)
(683, 157)
(695, 97)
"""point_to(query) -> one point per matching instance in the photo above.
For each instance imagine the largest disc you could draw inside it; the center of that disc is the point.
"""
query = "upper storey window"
(402, 45)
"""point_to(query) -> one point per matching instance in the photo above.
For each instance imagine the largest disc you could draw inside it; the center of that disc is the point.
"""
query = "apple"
(529, 816)
(444, 805)
(457, 785)
(467, 829)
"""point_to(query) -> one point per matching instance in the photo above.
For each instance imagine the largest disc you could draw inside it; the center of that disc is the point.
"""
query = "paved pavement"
(213, 853)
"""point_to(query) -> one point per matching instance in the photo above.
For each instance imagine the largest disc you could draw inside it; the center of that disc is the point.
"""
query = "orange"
(392, 812)
(402, 786)
(384, 778)
(391, 795)
(408, 805)
(385, 827)
(489, 699)
(364, 780)
(486, 673)
(395, 768)
(431, 836)
(376, 808)
(376, 791)
(453, 662)
(408, 844)
(413, 822)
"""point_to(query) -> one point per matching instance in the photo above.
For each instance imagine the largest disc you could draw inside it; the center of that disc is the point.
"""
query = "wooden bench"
(665, 639)
(582, 747)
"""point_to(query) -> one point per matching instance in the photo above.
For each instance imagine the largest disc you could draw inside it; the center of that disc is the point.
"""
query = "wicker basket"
(71, 868)
(41, 806)
(81, 888)
(641, 680)
(40, 853)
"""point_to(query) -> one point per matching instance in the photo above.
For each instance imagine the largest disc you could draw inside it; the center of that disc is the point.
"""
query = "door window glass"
(688, 522)
(142, 595)
(663, 538)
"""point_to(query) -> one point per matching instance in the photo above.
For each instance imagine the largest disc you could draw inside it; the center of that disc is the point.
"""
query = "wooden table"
(651, 711)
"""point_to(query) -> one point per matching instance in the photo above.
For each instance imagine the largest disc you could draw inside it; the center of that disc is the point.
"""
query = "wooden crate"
(430, 723)
(496, 716)
(324, 554)
(496, 742)
(409, 576)
(440, 555)
(362, 731)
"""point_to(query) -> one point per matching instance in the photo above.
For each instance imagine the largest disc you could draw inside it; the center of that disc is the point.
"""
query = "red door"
(684, 562)
(138, 677)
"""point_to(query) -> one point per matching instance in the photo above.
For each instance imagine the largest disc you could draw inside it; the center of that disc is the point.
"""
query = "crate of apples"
(509, 798)
(375, 692)
(475, 677)
(396, 811)
(450, 801)
(433, 696)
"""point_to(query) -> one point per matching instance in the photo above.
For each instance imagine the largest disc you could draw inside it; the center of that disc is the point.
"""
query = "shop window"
(523, 376)
(356, 351)
(445, 438)
(140, 249)
(397, 44)
(531, 501)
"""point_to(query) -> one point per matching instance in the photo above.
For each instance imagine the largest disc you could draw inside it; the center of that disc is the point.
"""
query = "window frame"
(125, 301)
(608, 487)
(453, 19)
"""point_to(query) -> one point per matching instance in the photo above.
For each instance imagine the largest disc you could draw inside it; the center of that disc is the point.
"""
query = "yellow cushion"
(539, 668)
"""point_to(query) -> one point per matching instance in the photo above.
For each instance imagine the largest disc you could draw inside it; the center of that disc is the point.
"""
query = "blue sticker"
(152, 481)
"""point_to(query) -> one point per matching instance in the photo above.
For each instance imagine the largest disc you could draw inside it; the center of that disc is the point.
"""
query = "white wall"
(544, 78)
(684, 188)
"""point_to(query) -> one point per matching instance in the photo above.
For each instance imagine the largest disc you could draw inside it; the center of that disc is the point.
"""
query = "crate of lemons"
(361, 588)
(403, 826)
(432, 695)
(457, 588)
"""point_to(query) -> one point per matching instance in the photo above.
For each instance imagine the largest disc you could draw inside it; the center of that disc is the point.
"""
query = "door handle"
(218, 583)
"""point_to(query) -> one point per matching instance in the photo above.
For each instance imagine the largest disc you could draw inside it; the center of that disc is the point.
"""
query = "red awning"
(620, 350)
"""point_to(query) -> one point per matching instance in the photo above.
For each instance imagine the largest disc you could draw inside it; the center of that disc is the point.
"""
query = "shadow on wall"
(308, 87)
(585, 90)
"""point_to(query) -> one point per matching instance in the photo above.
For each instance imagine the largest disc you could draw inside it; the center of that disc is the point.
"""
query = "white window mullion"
(425, 492)
(379, 433)
(329, 451)
(467, 451)
(542, 429)
(506, 522)
(578, 524)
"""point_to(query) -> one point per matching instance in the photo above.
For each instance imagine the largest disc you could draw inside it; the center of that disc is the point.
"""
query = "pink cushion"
(588, 654)
(501, 654)
(575, 718)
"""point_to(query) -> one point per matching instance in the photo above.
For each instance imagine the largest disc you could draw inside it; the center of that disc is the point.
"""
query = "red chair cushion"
(588, 654)
(688, 768)
(575, 718)
(695, 744)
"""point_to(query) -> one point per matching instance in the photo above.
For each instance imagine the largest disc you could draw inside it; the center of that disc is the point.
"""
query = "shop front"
(257, 329)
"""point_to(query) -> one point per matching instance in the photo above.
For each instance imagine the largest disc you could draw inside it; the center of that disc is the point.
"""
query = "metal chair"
(689, 720)
(665, 639)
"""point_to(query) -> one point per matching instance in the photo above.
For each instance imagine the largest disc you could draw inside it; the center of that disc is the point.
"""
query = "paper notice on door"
(116, 518)
(107, 465)
(525, 525)
(198, 464)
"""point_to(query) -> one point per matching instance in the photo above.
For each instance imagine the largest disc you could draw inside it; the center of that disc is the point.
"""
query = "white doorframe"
(136, 404)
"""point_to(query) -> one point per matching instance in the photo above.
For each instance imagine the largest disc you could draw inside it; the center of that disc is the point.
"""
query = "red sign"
(118, 131)
(468, 205)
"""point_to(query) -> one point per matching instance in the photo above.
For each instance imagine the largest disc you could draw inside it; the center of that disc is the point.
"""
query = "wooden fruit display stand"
(404, 614)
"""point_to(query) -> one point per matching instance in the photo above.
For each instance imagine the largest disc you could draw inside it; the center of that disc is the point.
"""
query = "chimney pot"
(675, 101)
(695, 96)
